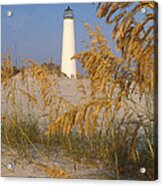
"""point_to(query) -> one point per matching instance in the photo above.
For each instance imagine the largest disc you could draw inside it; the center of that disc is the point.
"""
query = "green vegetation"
(113, 130)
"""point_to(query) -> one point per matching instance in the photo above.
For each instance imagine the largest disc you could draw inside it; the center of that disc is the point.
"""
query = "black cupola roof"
(68, 13)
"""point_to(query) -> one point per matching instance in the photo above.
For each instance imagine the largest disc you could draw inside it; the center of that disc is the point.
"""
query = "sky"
(35, 31)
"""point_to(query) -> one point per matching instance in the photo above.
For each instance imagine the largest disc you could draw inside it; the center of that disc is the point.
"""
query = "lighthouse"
(68, 65)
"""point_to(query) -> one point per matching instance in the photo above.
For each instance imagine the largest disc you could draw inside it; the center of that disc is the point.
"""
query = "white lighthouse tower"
(68, 44)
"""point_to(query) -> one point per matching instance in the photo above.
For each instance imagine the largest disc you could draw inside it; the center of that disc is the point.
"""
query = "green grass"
(24, 135)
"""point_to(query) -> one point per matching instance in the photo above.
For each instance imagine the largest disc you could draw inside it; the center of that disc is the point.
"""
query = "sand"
(63, 87)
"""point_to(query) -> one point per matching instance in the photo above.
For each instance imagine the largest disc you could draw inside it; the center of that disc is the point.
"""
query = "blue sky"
(36, 30)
